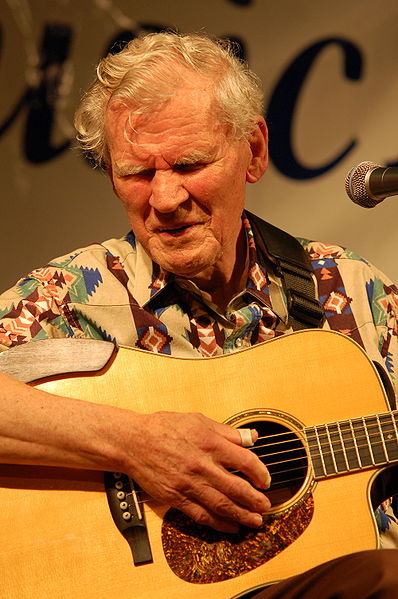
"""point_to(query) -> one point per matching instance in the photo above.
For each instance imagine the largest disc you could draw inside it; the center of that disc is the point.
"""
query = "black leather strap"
(292, 264)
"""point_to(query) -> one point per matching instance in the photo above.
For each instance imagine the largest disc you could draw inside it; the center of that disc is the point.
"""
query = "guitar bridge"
(124, 503)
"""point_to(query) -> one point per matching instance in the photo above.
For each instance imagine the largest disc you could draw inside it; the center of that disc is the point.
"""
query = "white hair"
(149, 69)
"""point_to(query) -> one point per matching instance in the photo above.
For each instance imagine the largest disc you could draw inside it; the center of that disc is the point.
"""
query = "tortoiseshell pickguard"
(201, 555)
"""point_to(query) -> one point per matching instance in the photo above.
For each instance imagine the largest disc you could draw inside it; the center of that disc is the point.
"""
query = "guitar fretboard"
(349, 445)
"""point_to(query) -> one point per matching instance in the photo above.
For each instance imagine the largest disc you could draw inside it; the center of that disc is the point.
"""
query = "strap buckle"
(308, 312)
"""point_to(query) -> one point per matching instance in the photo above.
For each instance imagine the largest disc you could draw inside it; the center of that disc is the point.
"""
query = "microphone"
(368, 184)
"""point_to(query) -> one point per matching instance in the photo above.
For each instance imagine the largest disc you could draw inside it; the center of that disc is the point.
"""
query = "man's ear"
(258, 141)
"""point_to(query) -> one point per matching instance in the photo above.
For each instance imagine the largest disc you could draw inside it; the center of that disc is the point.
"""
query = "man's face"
(182, 181)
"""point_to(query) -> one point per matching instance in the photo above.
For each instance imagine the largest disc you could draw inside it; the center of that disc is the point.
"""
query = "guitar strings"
(318, 446)
(378, 425)
(325, 436)
(302, 458)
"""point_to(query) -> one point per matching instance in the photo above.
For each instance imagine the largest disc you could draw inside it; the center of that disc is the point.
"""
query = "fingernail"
(257, 520)
(254, 434)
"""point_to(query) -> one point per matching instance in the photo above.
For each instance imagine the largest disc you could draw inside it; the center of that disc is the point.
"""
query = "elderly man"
(176, 122)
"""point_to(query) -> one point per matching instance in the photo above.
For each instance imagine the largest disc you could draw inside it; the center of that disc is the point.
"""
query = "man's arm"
(179, 459)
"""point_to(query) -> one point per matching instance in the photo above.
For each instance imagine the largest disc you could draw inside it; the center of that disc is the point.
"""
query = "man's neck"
(224, 284)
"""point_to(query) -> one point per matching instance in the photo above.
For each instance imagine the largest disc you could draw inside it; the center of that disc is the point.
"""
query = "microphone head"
(355, 184)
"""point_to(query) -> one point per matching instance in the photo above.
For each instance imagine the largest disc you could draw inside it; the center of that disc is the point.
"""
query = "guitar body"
(58, 539)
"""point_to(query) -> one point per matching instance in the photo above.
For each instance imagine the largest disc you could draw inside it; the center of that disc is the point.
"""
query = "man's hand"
(182, 459)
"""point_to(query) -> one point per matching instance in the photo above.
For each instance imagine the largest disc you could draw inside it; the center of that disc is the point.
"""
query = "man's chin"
(185, 266)
(187, 271)
(184, 261)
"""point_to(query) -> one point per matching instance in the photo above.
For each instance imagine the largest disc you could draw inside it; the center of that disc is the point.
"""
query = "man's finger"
(224, 515)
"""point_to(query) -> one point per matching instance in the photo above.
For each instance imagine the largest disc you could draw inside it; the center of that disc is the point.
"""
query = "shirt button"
(238, 342)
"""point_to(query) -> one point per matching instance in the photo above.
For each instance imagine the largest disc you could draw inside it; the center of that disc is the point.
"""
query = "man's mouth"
(176, 231)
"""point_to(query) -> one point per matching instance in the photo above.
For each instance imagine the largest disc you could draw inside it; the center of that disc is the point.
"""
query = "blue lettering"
(281, 108)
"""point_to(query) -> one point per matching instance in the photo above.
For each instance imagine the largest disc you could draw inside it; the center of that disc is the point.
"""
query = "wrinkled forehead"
(192, 107)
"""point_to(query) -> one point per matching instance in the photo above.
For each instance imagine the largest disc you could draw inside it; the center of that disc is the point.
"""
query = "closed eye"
(188, 168)
(148, 173)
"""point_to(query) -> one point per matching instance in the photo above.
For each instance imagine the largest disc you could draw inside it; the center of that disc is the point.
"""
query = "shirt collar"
(150, 278)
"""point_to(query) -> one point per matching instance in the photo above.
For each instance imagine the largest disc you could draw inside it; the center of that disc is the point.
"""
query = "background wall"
(336, 59)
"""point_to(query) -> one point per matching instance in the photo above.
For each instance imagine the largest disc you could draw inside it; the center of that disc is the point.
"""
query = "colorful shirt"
(114, 291)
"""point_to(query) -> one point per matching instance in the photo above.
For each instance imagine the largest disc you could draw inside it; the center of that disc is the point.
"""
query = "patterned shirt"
(114, 291)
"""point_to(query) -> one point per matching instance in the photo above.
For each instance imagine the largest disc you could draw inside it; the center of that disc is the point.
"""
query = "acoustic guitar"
(325, 432)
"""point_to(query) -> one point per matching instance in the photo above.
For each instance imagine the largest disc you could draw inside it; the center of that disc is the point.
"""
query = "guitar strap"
(292, 265)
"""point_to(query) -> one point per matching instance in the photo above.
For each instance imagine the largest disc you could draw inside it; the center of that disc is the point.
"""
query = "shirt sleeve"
(33, 310)
(359, 301)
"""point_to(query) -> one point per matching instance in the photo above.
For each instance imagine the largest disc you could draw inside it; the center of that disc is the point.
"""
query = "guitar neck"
(352, 445)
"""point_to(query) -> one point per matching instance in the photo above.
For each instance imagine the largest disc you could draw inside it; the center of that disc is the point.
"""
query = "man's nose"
(167, 191)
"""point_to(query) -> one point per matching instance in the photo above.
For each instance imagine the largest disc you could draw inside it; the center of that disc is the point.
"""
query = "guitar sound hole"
(282, 451)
